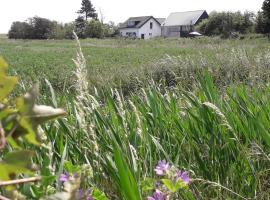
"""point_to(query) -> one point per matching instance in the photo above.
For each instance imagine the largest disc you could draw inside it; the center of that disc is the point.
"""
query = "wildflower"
(157, 184)
(83, 194)
(183, 176)
(63, 178)
(162, 168)
(157, 195)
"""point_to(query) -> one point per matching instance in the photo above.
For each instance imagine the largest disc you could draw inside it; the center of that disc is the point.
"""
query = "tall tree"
(266, 14)
(80, 26)
(88, 10)
(260, 23)
(266, 9)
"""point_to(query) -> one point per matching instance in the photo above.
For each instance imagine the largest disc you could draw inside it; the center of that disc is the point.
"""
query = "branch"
(3, 198)
(19, 181)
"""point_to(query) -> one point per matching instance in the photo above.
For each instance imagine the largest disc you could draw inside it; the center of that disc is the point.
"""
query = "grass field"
(119, 62)
(200, 104)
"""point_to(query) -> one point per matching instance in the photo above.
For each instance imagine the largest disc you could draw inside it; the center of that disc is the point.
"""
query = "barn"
(180, 24)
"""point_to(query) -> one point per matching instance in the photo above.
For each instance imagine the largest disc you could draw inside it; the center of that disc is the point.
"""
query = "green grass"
(205, 109)
(223, 139)
(117, 63)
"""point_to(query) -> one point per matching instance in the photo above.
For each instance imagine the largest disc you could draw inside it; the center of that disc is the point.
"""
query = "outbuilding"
(180, 24)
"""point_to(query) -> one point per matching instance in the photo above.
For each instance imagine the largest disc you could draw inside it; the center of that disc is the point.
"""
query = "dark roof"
(139, 22)
(184, 18)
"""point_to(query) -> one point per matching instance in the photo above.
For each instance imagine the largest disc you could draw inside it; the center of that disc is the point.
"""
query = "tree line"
(86, 25)
(229, 24)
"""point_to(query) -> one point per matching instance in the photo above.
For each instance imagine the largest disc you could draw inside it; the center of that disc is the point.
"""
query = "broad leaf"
(98, 195)
(148, 184)
(7, 83)
(169, 184)
(31, 116)
(15, 163)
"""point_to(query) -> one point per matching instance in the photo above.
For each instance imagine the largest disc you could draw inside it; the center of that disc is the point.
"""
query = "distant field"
(112, 62)
(3, 36)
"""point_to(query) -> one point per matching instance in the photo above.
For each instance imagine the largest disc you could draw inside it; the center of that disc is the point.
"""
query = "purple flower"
(157, 184)
(89, 198)
(162, 168)
(157, 195)
(83, 194)
(183, 176)
(80, 194)
(63, 178)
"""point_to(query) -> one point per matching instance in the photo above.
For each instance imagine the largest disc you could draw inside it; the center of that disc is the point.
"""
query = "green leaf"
(70, 168)
(174, 187)
(168, 183)
(7, 83)
(15, 163)
(180, 185)
(47, 180)
(148, 184)
(29, 131)
(19, 158)
(31, 116)
(128, 184)
(98, 195)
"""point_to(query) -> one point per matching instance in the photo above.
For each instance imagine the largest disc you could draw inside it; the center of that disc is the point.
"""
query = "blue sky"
(113, 10)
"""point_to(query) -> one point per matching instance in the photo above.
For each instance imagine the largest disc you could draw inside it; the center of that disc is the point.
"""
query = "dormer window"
(151, 25)
(131, 23)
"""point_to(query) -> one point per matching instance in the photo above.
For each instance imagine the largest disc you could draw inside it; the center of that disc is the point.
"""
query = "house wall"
(150, 33)
(123, 32)
(176, 31)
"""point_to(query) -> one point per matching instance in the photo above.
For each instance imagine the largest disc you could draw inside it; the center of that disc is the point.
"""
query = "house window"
(131, 23)
(131, 34)
(150, 34)
(151, 25)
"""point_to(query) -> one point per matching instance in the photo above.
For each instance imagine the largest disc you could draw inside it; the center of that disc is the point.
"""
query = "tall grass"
(221, 138)
(216, 125)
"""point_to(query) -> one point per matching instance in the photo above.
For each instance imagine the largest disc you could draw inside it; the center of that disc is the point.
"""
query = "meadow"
(117, 63)
(201, 105)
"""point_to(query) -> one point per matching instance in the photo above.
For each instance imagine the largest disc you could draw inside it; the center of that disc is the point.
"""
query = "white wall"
(150, 33)
(123, 32)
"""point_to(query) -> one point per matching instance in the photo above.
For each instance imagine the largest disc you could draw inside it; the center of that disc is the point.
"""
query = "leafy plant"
(20, 125)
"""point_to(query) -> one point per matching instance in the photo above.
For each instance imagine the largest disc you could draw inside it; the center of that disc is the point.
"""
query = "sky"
(112, 10)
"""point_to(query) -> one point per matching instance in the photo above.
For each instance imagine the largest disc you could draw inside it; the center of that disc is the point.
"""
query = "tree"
(266, 9)
(261, 25)
(80, 26)
(266, 14)
(226, 24)
(94, 29)
(88, 10)
(42, 27)
(20, 30)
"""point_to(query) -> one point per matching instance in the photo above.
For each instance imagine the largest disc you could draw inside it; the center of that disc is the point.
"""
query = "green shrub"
(225, 23)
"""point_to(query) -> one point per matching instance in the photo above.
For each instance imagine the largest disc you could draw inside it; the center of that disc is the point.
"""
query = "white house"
(145, 27)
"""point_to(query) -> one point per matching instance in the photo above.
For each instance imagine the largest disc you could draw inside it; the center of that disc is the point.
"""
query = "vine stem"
(19, 181)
